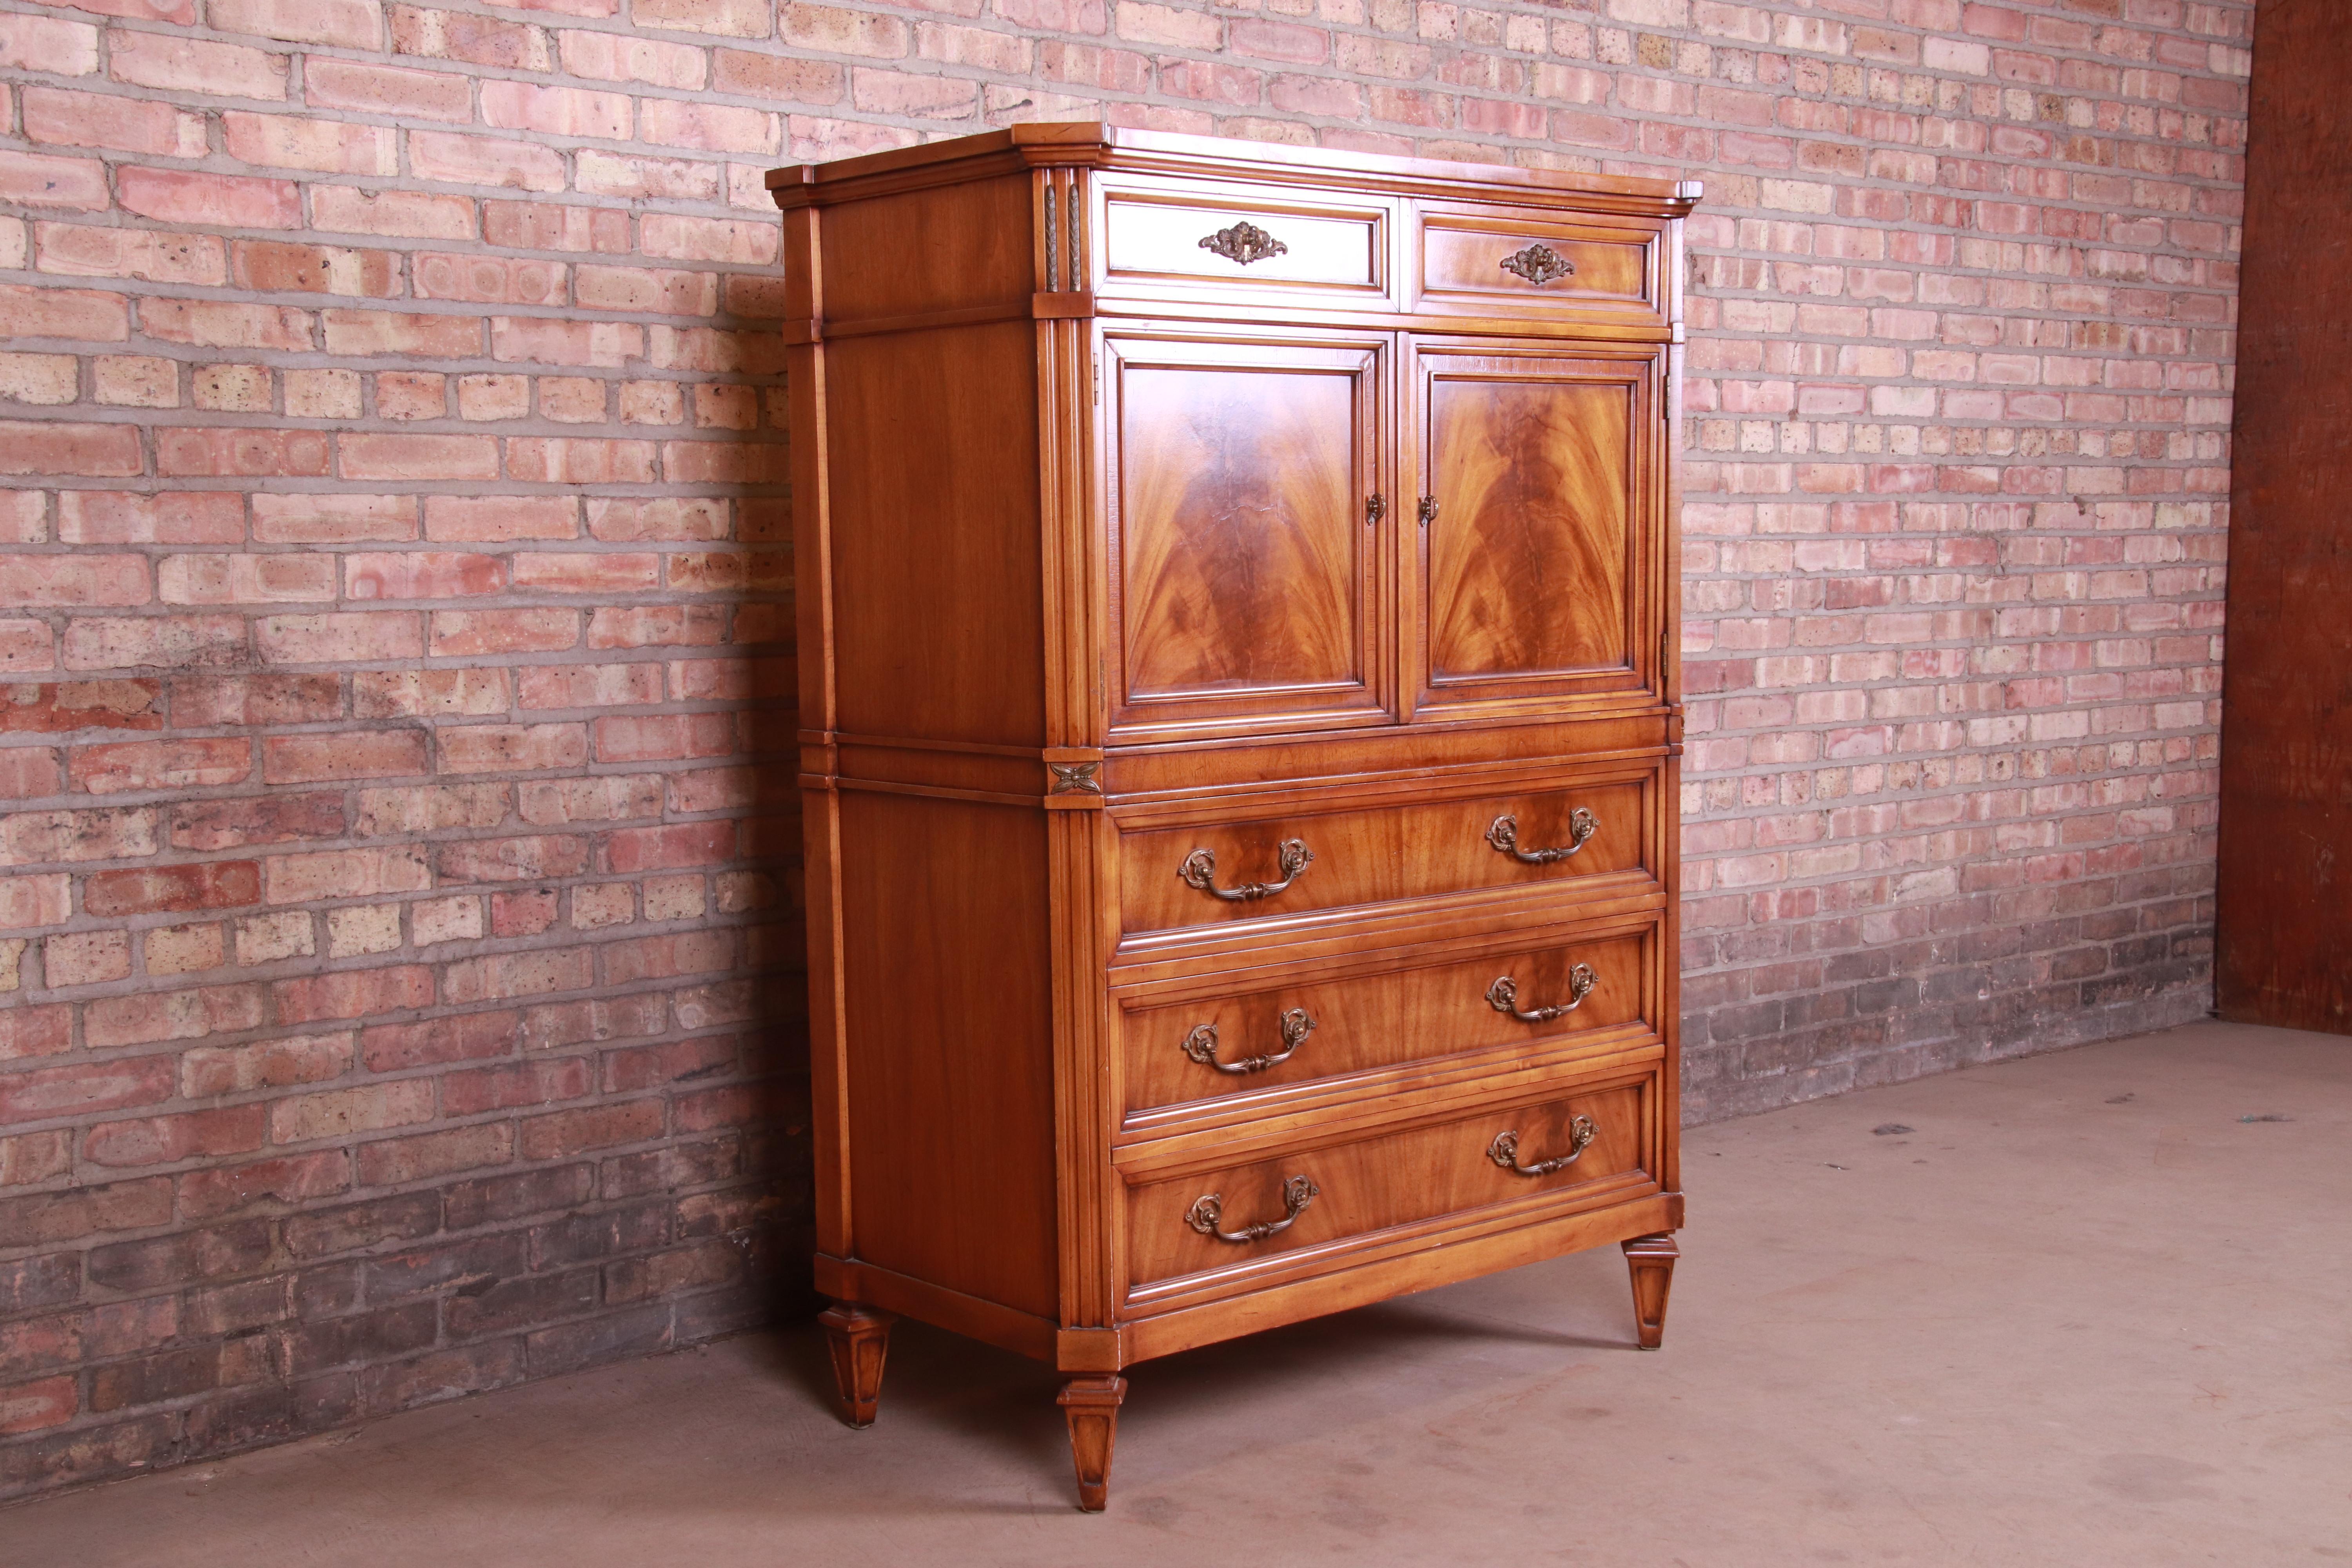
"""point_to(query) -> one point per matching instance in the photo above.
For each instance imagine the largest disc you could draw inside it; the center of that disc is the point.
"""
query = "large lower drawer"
(1325, 1205)
(1254, 865)
(1383, 1013)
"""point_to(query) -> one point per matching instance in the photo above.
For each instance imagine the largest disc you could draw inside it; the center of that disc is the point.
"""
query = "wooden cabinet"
(1236, 625)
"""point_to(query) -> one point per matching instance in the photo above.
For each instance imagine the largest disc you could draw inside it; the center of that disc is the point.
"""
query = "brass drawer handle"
(1504, 1150)
(1242, 244)
(1201, 1045)
(1297, 1192)
(1199, 870)
(1540, 265)
(1503, 833)
(1503, 996)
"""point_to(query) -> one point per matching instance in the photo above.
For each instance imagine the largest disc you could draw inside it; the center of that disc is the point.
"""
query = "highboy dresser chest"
(1237, 618)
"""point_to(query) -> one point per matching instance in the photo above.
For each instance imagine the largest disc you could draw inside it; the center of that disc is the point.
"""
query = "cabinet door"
(1246, 563)
(1540, 572)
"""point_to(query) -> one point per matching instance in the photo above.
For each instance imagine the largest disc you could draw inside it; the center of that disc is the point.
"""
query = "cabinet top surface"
(1092, 144)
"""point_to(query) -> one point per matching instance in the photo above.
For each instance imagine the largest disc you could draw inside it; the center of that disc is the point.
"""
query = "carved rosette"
(1243, 243)
(1540, 265)
(1075, 778)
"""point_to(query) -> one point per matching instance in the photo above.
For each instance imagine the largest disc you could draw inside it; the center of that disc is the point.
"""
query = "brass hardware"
(1503, 833)
(1540, 265)
(1428, 510)
(1504, 1150)
(1075, 778)
(1244, 243)
(1375, 509)
(1199, 870)
(1201, 1045)
(1503, 996)
(1297, 1192)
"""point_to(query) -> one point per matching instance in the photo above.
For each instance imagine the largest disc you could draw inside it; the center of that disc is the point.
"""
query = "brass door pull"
(1540, 265)
(1201, 1045)
(1297, 1192)
(1242, 244)
(1503, 833)
(1504, 1150)
(1199, 870)
(1503, 996)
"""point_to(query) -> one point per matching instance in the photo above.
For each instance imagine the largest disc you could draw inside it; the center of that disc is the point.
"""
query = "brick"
(218, 1192)
(352, 994)
(234, 201)
(31, 1406)
(167, 1139)
(533, 859)
(340, 637)
(81, 250)
(340, 1114)
(54, 47)
(172, 517)
(220, 452)
(159, 765)
(484, 161)
(349, 24)
(356, 754)
(415, 457)
(267, 819)
(80, 1213)
(631, 849)
(364, 332)
(498, 976)
(298, 142)
(62, 448)
(408, 215)
(52, 706)
(207, 1070)
(468, 633)
(334, 518)
(150, 1016)
(32, 836)
(43, 179)
(102, 120)
(386, 89)
(733, 18)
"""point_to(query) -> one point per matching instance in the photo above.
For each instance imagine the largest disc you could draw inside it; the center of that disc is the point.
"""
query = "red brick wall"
(396, 570)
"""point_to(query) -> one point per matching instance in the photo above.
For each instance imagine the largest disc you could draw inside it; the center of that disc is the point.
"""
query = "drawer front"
(1493, 261)
(1212, 1047)
(1252, 1217)
(1193, 235)
(1175, 877)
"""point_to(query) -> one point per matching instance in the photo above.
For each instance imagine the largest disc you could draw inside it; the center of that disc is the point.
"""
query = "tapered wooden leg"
(1652, 1259)
(1092, 1405)
(859, 1337)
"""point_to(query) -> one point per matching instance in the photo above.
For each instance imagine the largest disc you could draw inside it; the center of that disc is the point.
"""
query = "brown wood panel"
(1247, 572)
(950, 248)
(2284, 912)
(1374, 1183)
(1540, 529)
(1377, 854)
(1463, 252)
(946, 1002)
(937, 571)
(1364, 1022)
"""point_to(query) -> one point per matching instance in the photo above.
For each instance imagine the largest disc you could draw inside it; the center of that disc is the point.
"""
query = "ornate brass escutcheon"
(1503, 833)
(1199, 870)
(1297, 1192)
(1540, 265)
(1503, 996)
(1201, 1045)
(1504, 1150)
(1243, 243)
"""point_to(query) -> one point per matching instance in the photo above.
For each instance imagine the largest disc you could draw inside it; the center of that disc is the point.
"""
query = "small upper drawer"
(1168, 234)
(1272, 867)
(1489, 260)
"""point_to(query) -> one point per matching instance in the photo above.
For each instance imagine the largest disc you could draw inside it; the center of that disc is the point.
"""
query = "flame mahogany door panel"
(1246, 558)
(1538, 528)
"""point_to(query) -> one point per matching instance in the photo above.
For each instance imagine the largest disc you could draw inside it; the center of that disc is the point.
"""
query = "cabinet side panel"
(932, 465)
(946, 999)
(945, 247)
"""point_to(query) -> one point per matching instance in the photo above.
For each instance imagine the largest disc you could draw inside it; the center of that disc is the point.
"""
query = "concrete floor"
(2093, 1308)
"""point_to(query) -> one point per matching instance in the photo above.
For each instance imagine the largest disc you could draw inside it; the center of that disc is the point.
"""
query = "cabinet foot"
(1092, 1405)
(859, 1339)
(1651, 1260)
